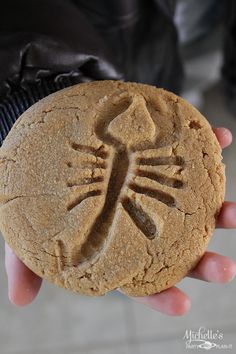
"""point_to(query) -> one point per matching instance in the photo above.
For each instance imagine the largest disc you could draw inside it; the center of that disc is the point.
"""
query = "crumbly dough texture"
(109, 185)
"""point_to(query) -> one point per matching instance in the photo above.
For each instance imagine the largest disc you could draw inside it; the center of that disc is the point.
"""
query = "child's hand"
(23, 284)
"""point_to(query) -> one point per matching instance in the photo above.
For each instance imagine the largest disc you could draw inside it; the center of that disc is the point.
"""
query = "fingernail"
(219, 273)
(233, 273)
(231, 215)
(232, 210)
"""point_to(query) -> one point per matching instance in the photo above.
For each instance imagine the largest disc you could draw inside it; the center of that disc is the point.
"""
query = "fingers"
(23, 284)
(171, 302)
(224, 136)
(214, 268)
(227, 216)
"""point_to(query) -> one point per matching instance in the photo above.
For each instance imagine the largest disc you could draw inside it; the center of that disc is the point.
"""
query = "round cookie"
(108, 185)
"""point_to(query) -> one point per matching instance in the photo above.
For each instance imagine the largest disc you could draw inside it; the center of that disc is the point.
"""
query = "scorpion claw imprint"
(126, 132)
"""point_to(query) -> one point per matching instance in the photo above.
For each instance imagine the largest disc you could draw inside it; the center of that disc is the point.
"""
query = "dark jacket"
(46, 45)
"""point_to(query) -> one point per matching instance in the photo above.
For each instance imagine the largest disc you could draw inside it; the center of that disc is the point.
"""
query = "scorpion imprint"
(130, 120)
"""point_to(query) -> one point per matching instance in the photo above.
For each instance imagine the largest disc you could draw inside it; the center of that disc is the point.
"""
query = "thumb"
(23, 284)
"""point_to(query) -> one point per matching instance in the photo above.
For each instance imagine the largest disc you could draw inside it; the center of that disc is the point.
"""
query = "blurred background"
(61, 322)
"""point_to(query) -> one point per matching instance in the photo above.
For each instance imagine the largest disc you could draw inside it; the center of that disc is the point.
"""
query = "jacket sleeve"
(46, 45)
(229, 51)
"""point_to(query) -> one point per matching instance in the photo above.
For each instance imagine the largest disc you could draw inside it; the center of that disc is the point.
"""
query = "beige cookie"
(109, 185)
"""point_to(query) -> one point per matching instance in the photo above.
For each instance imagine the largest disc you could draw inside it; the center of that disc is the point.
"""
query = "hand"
(24, 285)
